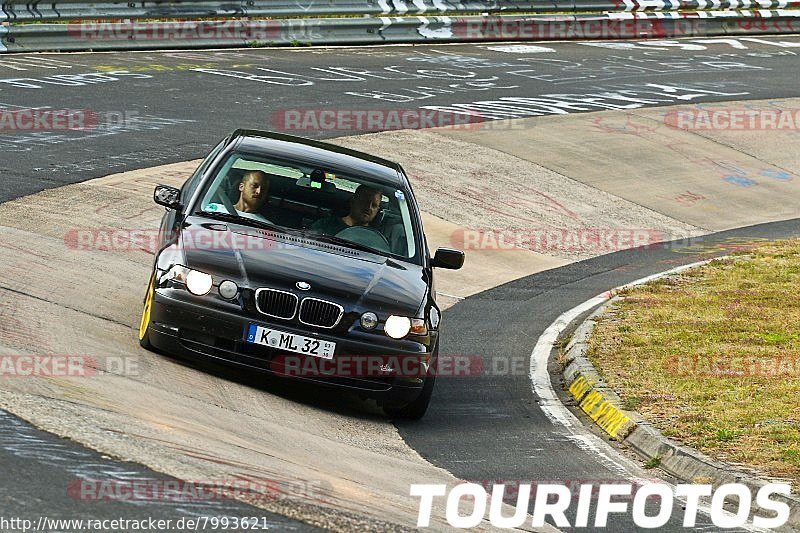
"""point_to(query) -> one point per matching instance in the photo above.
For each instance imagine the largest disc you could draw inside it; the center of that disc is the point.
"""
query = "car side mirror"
(448, 258)
(169, 197)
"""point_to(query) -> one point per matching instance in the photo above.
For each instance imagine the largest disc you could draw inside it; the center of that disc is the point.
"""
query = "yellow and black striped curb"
(608, 416)
(604, 407)
(586, 386)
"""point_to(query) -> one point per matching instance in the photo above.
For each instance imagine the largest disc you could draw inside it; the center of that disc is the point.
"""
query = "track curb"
(592, 395)
(586, 386)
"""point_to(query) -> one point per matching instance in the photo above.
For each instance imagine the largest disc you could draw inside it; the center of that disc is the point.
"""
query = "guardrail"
(271, 8)
(77, 9)
(199, 24)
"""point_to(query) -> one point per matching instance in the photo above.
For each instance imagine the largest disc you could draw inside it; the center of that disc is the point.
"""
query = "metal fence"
(77, 25)
(80, 10)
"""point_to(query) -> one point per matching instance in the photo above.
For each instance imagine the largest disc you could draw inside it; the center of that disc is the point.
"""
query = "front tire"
(144, 323)
(417, 408)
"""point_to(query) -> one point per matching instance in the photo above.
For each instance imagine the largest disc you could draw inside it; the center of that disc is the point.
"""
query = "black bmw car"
(301, 259)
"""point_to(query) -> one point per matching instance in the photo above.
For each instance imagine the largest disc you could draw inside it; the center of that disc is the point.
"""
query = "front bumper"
(189, 328)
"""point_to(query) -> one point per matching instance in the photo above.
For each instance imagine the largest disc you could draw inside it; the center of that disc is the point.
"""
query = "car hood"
(256, 258)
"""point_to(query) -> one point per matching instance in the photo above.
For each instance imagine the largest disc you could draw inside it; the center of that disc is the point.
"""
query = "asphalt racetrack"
(164, 107)
(155, 108)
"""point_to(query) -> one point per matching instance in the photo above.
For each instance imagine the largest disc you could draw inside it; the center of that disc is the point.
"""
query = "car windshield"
(323, 205)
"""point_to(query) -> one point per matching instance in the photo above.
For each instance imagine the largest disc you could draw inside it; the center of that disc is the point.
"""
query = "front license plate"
(281, 340)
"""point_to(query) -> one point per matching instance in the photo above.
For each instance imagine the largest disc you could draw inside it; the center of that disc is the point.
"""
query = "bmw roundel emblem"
(303, 286)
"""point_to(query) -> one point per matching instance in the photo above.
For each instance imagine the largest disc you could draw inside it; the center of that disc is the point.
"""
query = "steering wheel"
(366, 236)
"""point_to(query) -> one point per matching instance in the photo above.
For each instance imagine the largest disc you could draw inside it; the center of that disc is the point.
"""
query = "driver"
(253, 191)
(364, 206)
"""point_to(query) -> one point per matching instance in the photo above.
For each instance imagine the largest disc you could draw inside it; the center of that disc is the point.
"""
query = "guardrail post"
(3, 32)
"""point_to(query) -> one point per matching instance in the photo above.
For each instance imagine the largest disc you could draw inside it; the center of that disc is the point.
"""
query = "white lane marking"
(520, 49)
(540, 378)
(558, 413)
(782, 44)
(450, 295)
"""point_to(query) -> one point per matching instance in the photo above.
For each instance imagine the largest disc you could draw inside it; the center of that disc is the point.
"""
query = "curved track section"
(64, 292)
(502, 429)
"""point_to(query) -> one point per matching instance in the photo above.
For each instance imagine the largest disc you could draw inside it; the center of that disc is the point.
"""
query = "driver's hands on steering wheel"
(367, 236)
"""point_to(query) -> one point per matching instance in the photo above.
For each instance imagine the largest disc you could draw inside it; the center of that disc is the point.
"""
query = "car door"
(171, 219)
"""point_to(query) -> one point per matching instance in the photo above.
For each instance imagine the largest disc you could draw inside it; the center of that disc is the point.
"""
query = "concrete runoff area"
(706, 165)
(57, 298)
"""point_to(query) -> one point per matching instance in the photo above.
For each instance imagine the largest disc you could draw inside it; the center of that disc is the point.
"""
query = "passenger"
(253, 193)
(364, 206)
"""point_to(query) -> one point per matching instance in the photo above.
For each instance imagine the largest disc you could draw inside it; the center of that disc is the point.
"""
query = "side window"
(191, 184)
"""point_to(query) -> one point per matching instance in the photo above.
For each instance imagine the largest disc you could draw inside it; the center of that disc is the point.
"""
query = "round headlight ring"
(228, 289)
(369, 320)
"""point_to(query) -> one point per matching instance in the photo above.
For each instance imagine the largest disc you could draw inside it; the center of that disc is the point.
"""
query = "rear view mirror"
(169, 197)
(317, 180)
(448, 258)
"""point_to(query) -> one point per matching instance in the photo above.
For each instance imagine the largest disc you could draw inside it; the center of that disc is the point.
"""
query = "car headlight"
(369, 320)
(398, 327)
(197, 282)
(228, 289)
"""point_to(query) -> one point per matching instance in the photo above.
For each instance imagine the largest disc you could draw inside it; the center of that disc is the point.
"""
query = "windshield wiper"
(246, 221)
(344, 242)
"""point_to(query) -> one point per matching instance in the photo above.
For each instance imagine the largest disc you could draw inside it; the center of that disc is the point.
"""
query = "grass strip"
(712, 357)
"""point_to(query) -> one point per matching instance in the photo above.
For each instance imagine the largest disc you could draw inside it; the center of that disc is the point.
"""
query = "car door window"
(191, 184)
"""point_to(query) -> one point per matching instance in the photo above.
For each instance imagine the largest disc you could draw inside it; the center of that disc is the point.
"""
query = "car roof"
(320, 154)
